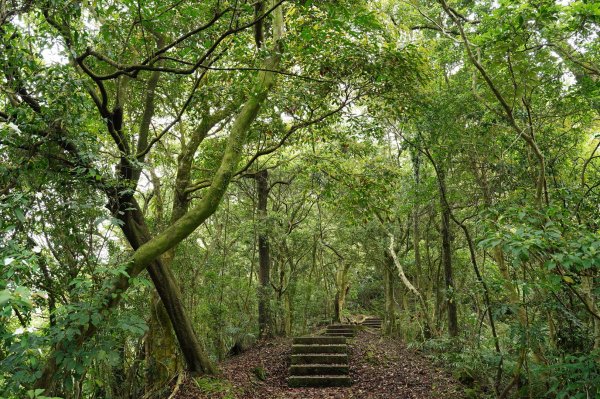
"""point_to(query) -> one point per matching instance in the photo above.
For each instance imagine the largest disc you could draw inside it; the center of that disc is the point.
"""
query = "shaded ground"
(380, 367)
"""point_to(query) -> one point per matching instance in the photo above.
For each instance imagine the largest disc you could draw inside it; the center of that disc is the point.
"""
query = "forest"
(186, 186)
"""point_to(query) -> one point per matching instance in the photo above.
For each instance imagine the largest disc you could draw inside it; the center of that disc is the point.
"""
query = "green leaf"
(5, 296)
(19, 214)
(568, 280)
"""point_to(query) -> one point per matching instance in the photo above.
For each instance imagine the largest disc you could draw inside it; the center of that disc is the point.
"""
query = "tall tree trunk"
(288, 306)
(447, 256)
(264, 261)
(390, 308)
(160, 344)
(416, 161)
(590, 300)
(341, 283)
(160, 347)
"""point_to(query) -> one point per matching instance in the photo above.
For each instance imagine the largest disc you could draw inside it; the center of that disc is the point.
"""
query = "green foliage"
(379, 116)
(35, 394)
(260, 373)
(577, 376)
(211, 385)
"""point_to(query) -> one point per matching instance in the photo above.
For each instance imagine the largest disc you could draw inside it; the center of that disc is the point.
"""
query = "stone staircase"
(319, 361)
(372, 322)
(341, 330)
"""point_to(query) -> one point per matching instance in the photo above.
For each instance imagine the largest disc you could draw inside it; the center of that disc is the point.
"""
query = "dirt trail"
(381, 368)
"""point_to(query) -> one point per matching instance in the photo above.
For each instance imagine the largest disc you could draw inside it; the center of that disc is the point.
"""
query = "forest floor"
(380, 367)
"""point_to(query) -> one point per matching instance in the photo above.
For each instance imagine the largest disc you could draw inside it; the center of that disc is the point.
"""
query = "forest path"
(380, 367)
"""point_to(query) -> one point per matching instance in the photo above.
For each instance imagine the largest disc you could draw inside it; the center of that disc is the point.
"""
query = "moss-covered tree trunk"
(342, 287)
(147, 255)
(167, 288)
(161, 345)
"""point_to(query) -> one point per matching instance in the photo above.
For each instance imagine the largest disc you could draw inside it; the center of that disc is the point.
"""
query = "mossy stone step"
(340, 334)
(319, 369)
(320, 358)
(341, 327)
(319, 340)
(372, 322)
(319, 348)
(321, 361)
(296, 381)
(351, 330)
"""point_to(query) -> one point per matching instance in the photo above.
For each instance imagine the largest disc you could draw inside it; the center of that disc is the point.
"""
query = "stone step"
(300, 348)
(319, 381)
(320, 358)
(319, 369)
(319, 340)
(341, 326)
(340, 334)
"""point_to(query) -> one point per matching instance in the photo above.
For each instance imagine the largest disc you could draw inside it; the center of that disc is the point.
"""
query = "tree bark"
(137, 234)
(588, 292)
(161, 346)
(424, 308)
(447, 256)
(288, 312)
(264, 261)
(416, 161)
(390, 308)
(341, 280)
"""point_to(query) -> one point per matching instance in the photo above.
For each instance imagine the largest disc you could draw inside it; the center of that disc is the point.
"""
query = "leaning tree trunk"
(429, 327)
(161, 345)
(147, 256)
(165, 283)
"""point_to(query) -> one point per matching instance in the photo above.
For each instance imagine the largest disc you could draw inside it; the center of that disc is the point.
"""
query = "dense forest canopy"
(179, 179)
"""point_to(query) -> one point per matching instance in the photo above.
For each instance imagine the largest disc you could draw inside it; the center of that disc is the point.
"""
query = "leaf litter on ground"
(380, 367)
